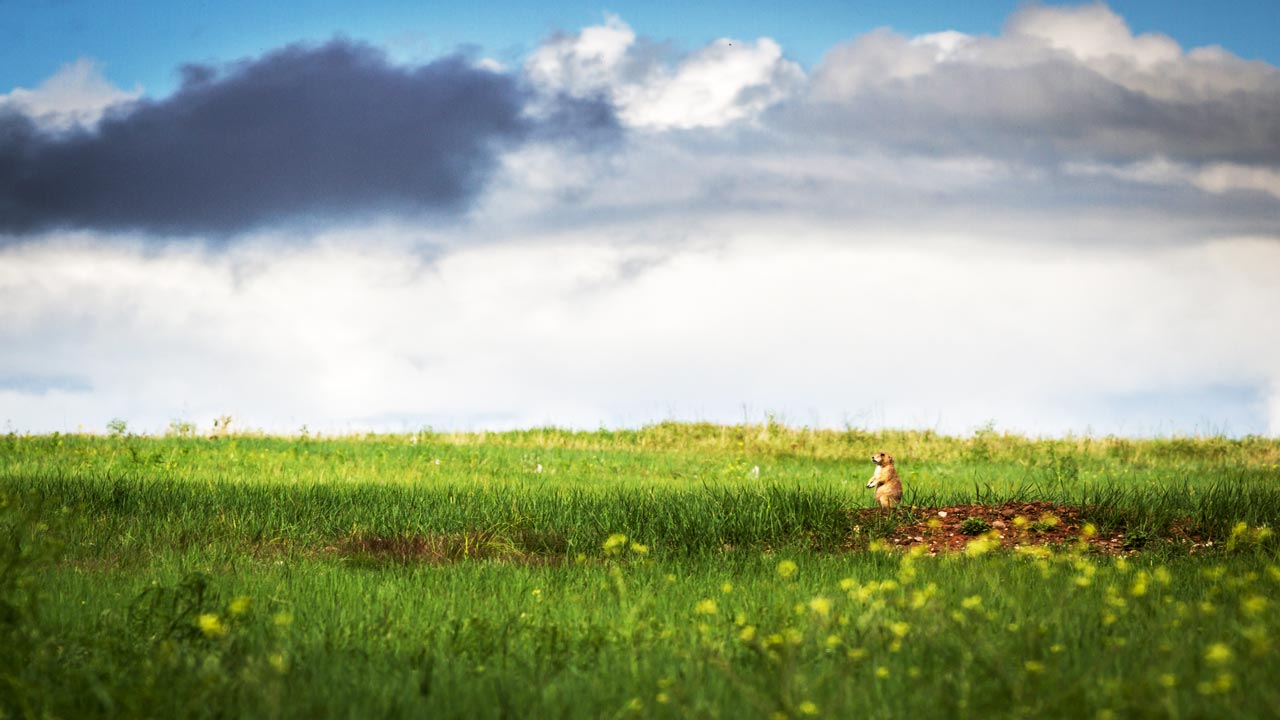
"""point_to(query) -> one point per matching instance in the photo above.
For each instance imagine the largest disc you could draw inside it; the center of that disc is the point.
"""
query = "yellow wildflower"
(748, 633)
(820, 606)
(971, 602)
(726, 588)
(882, 672)
(1253, 605)
(212, 626)
(282, 619)
(1218, 653)
(807, 708)
(240, 605)
(787, 569)
(1239, 533)
(1221, 684)
(706, 606)
(1034, 667)
(614, 544)
(981, 545)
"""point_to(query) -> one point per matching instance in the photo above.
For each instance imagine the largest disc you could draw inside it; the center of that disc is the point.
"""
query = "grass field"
(672, 571)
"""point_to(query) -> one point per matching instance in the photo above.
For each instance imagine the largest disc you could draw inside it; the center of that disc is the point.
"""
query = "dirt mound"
(1012, 524)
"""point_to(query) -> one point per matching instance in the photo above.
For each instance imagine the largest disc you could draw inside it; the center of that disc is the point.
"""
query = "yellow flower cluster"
(617, 543)
(212, 626)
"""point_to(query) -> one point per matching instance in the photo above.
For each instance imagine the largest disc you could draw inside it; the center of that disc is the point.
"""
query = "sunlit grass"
(672, 571)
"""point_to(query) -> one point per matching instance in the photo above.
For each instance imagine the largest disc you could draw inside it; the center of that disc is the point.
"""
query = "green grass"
(355, 577)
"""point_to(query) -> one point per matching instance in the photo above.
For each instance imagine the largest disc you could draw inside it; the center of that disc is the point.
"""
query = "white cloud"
(584, 64)
(1225, 177)
(1092, 33)
(1216, 178)
(877, 58)
(722, 83)
(76, 96)
(946, 331)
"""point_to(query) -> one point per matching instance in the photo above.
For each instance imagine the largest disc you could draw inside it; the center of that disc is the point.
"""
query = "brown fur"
(886, 481)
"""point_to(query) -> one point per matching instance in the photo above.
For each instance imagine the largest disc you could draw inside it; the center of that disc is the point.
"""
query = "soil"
(939, 529)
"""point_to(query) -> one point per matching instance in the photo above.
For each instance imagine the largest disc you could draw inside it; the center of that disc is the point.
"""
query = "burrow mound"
(1012, 524)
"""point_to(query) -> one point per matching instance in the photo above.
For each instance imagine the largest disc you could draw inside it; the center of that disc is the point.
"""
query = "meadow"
(678, 570)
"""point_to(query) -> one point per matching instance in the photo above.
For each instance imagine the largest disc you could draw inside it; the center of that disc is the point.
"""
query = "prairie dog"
(885, 480)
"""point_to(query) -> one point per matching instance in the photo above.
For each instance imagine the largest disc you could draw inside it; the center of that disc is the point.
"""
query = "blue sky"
(1058, 218)
(142, 43)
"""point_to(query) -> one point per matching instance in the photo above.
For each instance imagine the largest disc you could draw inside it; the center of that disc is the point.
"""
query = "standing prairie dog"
(886, 481)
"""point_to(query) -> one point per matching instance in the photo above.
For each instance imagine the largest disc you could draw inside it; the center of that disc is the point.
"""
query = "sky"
(1050, 218)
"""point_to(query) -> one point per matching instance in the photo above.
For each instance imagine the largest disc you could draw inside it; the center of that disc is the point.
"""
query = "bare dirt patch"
(1014, 524)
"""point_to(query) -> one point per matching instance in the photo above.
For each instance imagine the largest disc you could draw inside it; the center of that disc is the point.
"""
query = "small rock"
(1007, 512)
(918, 538)
(942, 513)
(998, 524)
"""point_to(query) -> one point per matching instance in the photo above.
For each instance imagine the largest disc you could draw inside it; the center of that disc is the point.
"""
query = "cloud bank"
(576, 332)
(1058, 84)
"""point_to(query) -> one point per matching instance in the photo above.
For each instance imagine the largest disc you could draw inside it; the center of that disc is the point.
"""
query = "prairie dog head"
(882, 459)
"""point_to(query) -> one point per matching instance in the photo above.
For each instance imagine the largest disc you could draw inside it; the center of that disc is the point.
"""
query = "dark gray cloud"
(301, 133)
